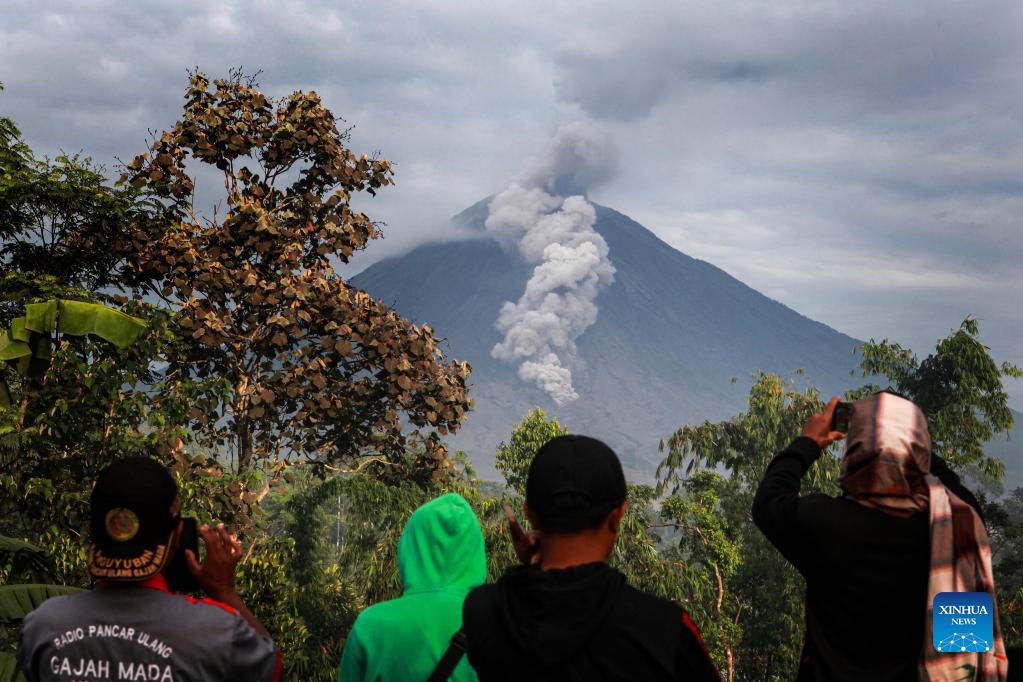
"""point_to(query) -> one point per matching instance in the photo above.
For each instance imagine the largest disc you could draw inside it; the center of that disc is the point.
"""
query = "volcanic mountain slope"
(671, 334)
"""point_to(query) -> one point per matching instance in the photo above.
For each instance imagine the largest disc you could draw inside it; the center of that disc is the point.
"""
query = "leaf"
(17, 601)
(9, 671)
(9, 545)
(79, 318)
(11, 349)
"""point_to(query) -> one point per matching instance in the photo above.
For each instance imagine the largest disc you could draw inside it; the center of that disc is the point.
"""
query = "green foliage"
(21, 561)
(9, 669)
(513, 458)
(20, 557)
(27, 345)
(266, 584)
(959, 388)
(761, 595)
(17, 601)
(63, 218)
(1004, 519)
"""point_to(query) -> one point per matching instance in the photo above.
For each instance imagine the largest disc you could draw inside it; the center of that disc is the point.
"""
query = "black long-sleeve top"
(866, 572)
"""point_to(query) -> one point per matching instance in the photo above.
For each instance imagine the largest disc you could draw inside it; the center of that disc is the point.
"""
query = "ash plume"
(545, 217)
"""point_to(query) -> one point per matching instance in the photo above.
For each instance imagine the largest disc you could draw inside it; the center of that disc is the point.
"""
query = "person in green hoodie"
(441, 556)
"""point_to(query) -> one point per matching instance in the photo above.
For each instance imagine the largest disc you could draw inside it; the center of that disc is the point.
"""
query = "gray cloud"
(858, 161)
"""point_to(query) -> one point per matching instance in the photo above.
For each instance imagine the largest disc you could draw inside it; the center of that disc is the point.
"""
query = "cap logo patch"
(122, 524)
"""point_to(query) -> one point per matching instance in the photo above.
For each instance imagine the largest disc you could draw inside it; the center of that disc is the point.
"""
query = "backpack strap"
(451, 657)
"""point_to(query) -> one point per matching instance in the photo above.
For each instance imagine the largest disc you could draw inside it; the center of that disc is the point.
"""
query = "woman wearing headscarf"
(904, 530)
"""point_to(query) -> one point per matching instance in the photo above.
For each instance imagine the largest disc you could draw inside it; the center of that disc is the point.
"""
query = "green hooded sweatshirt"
(441, 557)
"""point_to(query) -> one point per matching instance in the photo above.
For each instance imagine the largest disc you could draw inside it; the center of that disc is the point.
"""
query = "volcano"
(671, 335)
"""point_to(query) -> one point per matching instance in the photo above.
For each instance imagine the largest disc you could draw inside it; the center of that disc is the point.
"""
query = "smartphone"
(179, 578)
(840, 420)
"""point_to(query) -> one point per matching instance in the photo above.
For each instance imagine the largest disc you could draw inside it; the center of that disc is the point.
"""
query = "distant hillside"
(671, 334)
(1010, 450)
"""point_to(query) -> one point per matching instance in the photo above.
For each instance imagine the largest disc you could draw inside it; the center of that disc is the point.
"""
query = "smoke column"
(545, 217)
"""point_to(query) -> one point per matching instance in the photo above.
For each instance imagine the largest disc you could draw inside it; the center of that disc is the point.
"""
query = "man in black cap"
(566, 614)
(132, 627)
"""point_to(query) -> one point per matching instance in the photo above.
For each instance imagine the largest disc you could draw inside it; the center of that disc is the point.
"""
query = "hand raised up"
(223, 552)
(527, 545)
(819, 426)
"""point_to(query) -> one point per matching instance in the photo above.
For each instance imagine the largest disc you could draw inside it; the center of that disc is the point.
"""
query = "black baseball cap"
(134, 510)
(574, 480)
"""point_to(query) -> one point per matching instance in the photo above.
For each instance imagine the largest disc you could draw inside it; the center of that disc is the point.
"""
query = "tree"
(70, 400)
(762, 594)
(59, 223)
(707, 543)
(959, 388)
(318, 371)
(1004, 520)
(514, 457)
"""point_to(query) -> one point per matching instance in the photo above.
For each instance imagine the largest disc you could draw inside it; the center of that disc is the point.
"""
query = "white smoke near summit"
(545, 217)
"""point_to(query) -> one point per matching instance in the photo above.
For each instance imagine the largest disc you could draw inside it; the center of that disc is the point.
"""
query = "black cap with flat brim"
(134, 510)
(574, 480)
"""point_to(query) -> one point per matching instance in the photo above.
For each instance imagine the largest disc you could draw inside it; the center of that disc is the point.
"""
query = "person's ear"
(614, 519)
(531, 515)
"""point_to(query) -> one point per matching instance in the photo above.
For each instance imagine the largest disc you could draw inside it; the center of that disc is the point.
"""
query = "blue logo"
(963, 622)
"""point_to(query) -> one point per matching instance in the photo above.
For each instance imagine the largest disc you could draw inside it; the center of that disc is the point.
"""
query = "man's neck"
(565, 551)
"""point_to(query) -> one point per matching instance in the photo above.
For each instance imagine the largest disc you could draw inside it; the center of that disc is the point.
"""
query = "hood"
(887, 453)
(442, 547)
(552, 614)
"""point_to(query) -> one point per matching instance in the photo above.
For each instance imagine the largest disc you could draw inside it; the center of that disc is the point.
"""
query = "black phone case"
(840, 419)
(179, 578)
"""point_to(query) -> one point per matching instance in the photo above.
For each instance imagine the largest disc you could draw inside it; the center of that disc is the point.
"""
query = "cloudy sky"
(859, 161)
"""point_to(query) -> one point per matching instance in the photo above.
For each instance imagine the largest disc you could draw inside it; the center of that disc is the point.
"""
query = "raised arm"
(776, 505)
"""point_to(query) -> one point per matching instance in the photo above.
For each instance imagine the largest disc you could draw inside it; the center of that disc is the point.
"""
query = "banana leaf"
(9, 669)
(23, 556)
(79, 318)
(17, 601)
(14, 341)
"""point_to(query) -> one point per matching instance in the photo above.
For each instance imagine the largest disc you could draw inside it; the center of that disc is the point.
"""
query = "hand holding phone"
(840, 421)
(179, 577)
(820, 427)
(526, 544)
(215, 574)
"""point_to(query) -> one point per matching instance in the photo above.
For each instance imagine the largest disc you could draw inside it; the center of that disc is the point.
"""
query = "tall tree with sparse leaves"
(318, 371)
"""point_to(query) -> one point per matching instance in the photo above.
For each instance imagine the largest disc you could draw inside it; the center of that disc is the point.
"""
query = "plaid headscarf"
(887, 467)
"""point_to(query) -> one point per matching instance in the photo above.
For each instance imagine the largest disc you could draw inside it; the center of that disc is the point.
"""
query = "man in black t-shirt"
(565, 614)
